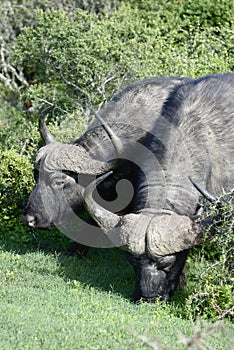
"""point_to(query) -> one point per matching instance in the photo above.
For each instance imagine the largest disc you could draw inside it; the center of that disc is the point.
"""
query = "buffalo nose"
(31, 220)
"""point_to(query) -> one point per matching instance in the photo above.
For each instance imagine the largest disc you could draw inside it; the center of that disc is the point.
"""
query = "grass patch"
(50, 301)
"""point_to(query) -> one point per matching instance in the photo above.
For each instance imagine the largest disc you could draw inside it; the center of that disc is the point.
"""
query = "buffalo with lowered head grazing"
(62, 170)
(187, 141)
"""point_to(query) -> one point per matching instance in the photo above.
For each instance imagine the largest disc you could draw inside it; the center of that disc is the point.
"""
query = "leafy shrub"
(16, 131)
(99, 54)
(15, 183)
(212, 275)
(220, 231)
(16, 14)
(210, 294)
(208, 13)
(16, 178)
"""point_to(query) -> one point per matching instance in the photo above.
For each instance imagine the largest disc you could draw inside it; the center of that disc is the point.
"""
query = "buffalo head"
(61, 173)
(156, 241)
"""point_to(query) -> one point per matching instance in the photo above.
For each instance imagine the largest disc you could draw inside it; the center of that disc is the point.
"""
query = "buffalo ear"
(59, 156)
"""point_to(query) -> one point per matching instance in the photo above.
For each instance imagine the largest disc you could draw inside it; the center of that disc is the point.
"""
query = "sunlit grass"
(49, 301)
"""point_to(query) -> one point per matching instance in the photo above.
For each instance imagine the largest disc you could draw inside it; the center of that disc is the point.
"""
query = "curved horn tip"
(46, 110)
(104, 218)
(205, 193)
(91, 187)
(45, 133)
(117, 143)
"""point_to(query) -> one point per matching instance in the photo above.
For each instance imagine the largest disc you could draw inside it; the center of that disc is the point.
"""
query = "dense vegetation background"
(100, 46)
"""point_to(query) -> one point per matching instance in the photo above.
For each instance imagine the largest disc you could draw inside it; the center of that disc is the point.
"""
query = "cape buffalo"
(62, 171)
(191, 143)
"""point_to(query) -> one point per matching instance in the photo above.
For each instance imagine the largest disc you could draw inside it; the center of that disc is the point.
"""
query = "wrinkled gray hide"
(192, 137)
(62, 171)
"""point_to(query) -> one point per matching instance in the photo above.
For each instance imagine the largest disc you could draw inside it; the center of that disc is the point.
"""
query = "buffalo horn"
(163, 234)
(205, 193)
(104, 218)
(73, 158)
(45, 133)
(117, 143)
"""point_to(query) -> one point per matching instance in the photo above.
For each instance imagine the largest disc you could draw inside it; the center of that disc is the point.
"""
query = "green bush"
(208, 13)
(18, 132)
(211, 293)
(15, 178)
(15, 183)
(16, 14)
(100, 54)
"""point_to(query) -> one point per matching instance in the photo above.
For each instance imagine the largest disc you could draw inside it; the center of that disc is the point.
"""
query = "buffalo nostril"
(31, 220)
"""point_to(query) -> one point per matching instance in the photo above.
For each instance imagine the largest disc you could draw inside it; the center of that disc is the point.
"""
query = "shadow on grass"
(108, 270)
(103, 269)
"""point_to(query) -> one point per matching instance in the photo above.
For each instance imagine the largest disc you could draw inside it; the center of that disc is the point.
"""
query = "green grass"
(51, 301)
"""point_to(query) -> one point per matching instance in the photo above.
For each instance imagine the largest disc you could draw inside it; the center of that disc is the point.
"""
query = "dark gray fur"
(198, 142)
(188, 127)
(131, 115)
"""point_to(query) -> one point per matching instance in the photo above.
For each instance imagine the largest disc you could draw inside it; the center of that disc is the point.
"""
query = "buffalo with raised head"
(191, 143)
